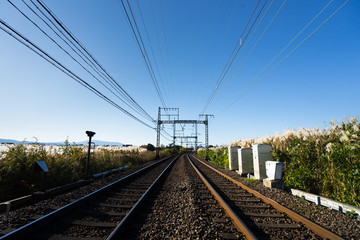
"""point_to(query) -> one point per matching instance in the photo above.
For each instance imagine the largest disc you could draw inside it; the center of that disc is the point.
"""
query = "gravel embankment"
(179, 212)
(22, 216)
(183, 209)
(336, 222)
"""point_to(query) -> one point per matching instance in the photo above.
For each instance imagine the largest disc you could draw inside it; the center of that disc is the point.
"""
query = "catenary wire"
(219, 85)
(148, 38)
(259, 80)
(292, 40)
(251, 50)
(230, 59)
(243, 48)
(140, 43)
(22, 39)
(208, 40)
(89, 56)
(27, 17)
(169, 76)
(156, 83)
(231, 66)
(159, 47)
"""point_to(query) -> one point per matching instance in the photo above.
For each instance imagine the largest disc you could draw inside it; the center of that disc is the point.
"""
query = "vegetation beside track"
(218, 156)
(324, 162)
(66, 165)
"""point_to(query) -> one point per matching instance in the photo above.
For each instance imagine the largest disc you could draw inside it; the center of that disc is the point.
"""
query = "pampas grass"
(322, 161)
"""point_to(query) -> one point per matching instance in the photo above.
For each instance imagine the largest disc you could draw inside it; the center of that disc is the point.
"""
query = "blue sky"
(192, 42)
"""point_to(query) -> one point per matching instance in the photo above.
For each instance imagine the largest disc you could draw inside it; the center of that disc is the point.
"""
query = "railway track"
(181, 207)
(182, 197)
(255, 215)
(98, 214)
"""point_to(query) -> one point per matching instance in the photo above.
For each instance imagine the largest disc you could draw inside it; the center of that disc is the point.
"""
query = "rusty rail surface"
(36, 226)
(317, 229)
(238, 223)
(116, 234)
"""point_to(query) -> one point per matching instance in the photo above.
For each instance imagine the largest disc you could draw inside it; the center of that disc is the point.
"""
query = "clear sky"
(189, 43)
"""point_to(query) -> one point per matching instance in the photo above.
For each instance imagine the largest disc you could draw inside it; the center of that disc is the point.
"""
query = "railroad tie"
(253, 206)
(134, 200)
(115, 205)
(277, 225)
(274, 215)
(89, 223)
(214, 210)
(247, 200)
(228, 236)
(62, 237)
(101, 213)
(219, 220)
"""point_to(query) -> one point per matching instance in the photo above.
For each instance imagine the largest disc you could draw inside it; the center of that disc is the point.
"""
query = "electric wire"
(100, 69)
(229, 21)
(229, 70)
(37, 26)
(253, 47)
(148, 38)
(243, 49)
(70, 43)
(165, 137)
(29, 44)
(169, 77)
(208, 40)
(88, 55)
(159, 46)
(230, 60)
(292, 40)
(304, 40)
(141, 45)
(143, 49)
(197, 26)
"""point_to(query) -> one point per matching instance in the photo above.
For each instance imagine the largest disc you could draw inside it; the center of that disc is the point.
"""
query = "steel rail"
(125, 221)
(238, 223)
(317, 229)
(22, 232)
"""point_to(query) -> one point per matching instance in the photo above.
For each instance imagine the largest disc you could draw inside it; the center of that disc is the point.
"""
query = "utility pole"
(206, 122)
(174, 137)
(158, 134)
(196, 138)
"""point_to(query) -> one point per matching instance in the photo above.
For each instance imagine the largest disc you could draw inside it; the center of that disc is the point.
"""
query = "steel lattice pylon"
(175, 121)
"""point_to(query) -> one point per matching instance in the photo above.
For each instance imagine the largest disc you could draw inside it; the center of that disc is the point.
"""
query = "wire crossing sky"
(260, 66)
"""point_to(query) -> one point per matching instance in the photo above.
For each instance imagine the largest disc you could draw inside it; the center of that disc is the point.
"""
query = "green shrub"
(218, 156)
(324, 162)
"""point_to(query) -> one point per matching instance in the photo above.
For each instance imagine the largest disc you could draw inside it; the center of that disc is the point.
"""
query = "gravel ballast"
(183, 208)
(336, 222)
(27, 214)
(182, 200)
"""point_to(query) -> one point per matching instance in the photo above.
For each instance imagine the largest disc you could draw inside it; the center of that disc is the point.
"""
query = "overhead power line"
(233, 55)
(29, 44)
(253, 47)
(139, 40)
(72, 57)
(103, 73)
(267, 73)
(149, 41)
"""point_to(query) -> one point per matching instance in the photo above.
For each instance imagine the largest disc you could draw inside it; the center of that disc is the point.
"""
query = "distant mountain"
(11, 141)
(100, 143)
(97, 142)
